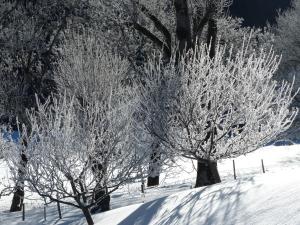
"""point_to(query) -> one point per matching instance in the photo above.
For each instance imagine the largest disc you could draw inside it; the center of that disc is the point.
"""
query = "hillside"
(254, 198)
(262, 200)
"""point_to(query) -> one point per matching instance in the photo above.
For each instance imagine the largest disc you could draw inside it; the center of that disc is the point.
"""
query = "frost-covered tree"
(216, 108)
(232, 32)
(174, 26)
(74, 150)
(164, 23)
(288, 35)
(288, 44)
(88, 71)
(30, 32)
(135, 28)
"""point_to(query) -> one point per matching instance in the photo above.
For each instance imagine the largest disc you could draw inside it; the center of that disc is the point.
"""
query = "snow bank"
(262, 200)
(254, 198)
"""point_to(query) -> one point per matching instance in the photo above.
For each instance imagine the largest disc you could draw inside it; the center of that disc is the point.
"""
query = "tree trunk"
(154, 167)
(207, 173)
(104, 204)
(183, 25)
(17, 200)
(18, 197)
(99, 170)
(212, 36)
(153, 181)
(88, 216)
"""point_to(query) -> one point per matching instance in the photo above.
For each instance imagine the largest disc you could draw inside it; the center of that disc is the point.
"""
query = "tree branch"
(198, 28)
(157, 24)
(153, 38)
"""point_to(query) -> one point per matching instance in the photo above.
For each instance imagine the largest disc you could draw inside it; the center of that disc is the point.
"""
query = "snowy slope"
(254, 198)
(262, 200)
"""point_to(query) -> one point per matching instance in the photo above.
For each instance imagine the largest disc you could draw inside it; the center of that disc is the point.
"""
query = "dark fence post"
(59, 210)
(263, 166)
(143, 187)
(45, 213)
(23, 212)
(234, 174)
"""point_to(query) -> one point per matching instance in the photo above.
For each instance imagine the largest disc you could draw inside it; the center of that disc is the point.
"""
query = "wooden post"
(234, 174)
(23, 212)
(45, 213)
(263, 166)
(59, 210)
(143, 187)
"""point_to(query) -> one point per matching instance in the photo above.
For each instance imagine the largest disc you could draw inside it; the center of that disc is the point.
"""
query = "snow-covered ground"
(272, 198)
(264, 200)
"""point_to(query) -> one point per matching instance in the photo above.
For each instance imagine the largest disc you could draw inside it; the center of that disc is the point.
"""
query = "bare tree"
(169, 26)
(287, 34)
(74, 152)
(287, 42)
(30, 32)
(217, 107)
(90, 72)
